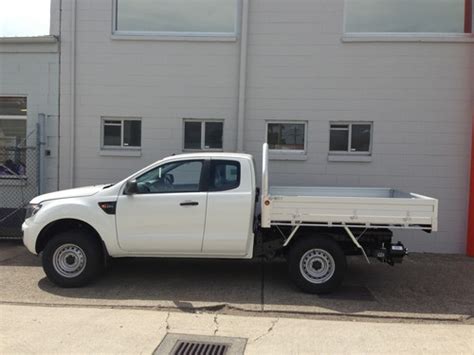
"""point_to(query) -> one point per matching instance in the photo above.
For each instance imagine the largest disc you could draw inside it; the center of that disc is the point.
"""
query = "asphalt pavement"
(424, 287)
(425, 305)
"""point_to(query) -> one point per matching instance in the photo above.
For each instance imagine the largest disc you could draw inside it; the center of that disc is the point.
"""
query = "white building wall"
(30, 67)
(419, 96)
(161, 82)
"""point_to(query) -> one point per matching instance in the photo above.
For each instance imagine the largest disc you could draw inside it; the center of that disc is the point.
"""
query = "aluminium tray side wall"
(402, 212)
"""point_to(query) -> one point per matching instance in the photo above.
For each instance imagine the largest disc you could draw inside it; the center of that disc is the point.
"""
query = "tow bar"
(393, 254)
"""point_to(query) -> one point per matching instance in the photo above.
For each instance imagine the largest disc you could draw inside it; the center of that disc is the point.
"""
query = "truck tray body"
(345, 206)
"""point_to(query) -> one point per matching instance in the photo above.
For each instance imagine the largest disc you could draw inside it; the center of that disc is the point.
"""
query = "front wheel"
(316, 265)
(72, 259)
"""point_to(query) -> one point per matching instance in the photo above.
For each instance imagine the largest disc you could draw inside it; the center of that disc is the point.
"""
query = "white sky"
(20, 18)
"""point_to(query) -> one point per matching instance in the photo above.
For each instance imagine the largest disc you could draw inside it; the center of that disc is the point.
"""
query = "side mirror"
(131, 187)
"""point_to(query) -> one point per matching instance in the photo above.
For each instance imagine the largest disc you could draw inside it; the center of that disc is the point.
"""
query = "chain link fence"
(18, 185)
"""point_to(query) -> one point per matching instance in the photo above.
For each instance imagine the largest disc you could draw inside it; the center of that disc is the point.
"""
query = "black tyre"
(316, 264)
(72, 259)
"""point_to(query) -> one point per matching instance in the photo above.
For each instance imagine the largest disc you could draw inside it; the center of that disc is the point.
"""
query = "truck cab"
(185, 205)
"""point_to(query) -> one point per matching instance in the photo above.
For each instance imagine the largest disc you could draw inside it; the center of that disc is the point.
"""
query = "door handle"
(189, 203)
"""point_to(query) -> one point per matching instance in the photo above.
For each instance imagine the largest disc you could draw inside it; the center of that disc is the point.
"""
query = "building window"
(408, 16)
(121, 133)
(176, 17)
(13, 148)
(350, 138)
(203, 134)
(286, 136)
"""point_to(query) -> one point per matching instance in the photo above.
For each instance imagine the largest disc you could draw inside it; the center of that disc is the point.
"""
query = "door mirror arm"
(131, 187)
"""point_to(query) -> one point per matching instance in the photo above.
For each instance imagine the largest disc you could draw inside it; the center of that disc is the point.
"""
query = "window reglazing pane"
(132, 133)
(213, 135)
(200, 16)
(416, 16)
(338, 140)
(112, 135)
(13, 106)
(192, 135)
(286, 136)
(360, 140)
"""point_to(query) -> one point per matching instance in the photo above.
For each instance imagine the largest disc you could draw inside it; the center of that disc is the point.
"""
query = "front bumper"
(30, 234)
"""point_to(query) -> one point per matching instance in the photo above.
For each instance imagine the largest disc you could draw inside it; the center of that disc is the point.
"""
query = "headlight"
(32, 209)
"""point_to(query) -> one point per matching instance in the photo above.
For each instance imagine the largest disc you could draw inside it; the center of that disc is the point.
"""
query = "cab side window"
(224, 175)
(180, 176)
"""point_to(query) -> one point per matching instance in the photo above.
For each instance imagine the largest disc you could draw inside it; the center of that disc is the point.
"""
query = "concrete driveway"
(425, 287)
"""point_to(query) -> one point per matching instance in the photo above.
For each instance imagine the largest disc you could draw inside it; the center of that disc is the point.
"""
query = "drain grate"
(199, 348)
(188, 344)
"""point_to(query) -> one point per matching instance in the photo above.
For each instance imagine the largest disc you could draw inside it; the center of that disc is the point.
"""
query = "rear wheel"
(72, 259)
(316, 265)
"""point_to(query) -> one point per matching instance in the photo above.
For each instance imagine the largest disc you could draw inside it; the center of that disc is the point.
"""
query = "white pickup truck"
(203, 205)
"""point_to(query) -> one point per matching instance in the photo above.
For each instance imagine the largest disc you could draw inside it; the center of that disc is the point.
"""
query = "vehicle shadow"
(186, 284)
(424, 285)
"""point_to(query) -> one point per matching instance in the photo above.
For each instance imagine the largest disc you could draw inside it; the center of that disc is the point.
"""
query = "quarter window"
(121, 133)
(203, 134)
(408, 16)
(176, 17)
(225, 175)
(286, 136)
(350, 138)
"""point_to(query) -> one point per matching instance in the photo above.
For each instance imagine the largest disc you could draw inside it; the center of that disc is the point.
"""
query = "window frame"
(203, 134)
(466, 36)
(288, 151)
(349, 138)
(122, 126)
(173, 35)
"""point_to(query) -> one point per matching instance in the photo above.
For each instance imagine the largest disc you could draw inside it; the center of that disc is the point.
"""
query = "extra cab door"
(230, 208)
(167, 214)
